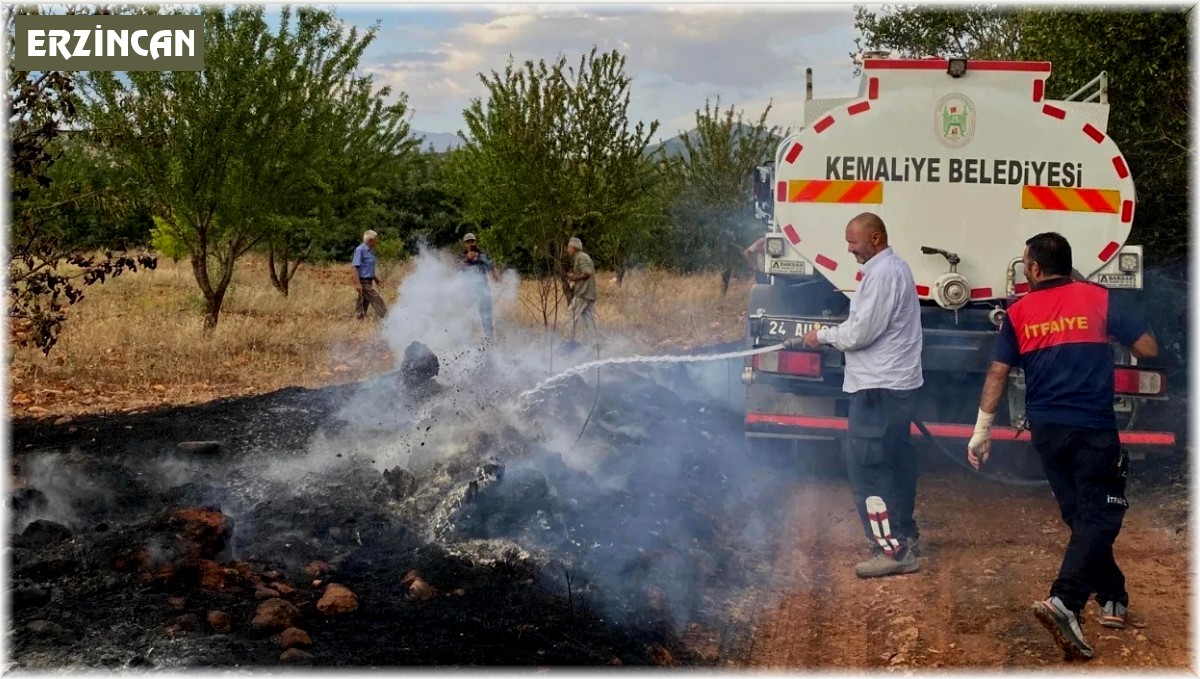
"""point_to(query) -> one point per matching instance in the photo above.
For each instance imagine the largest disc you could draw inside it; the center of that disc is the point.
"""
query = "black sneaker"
(1064, 625)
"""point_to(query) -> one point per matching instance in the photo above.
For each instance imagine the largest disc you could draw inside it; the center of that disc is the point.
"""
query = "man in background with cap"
(365, 280)
(583, 297)
(477, 265)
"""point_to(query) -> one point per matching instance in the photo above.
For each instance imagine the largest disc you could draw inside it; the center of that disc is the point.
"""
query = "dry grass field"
(137, 342)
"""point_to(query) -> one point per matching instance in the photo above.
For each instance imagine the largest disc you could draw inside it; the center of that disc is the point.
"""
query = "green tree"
(352, 143)
(646, 230)
(95, 209)
(615, 187)
(549, 155)
(918, 31)
(56, 193)
(221, 153)
(714, 210)
(1146, 57)
(420, 205)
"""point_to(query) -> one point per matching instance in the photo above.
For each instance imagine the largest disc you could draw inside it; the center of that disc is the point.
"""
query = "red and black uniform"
(1059, 335)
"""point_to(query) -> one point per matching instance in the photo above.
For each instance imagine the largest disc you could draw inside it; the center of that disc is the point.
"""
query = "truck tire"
(799, 458)
(808, 457)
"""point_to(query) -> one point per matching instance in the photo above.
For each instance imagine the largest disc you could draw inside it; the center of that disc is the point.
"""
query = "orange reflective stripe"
(807, 192)
(834, 191)
(1105, 201)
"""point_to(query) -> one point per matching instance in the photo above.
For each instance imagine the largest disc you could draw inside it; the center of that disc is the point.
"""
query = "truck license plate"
(785, 329)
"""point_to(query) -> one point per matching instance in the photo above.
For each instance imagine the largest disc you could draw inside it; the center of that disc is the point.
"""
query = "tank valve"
(997, 316)
(952, 291)
(950, 256)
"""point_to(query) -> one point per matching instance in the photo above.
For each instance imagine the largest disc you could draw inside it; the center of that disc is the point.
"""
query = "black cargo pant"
(881, 457)
(1087, 471)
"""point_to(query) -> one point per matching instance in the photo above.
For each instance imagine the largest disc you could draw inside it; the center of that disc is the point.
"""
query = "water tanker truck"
(964, 161)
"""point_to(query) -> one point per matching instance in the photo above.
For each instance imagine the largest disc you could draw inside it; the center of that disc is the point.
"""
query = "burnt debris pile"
(602, 522)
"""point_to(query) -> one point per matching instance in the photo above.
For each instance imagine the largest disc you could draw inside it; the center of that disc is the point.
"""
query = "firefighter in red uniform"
(1059, 334)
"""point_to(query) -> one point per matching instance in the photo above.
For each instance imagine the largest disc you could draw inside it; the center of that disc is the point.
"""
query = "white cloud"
(676, 56)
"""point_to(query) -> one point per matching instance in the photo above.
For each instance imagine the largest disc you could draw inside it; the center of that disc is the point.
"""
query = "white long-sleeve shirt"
(881, 338)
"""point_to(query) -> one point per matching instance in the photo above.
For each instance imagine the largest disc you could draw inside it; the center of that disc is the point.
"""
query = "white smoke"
(61, 477)
(438, 306)
(476, 408)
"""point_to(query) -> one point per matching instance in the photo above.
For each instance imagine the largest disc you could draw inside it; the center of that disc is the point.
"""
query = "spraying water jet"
(646, 359)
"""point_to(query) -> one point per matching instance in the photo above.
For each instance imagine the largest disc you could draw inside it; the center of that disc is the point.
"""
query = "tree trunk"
(300, 259)
(565, 284)
(560, 272)
(212, 302)
(213, 297)
(212, 310)
(726, 274)
(279, 282)
(545, 291)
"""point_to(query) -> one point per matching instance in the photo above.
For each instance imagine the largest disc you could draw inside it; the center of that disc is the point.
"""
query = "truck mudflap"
(807, 426)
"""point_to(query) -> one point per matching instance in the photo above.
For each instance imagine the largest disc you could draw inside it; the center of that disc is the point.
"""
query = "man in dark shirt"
(1059, 335)
(478, 266)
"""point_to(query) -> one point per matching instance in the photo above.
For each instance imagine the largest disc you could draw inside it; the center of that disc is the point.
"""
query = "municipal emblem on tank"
(954, 120)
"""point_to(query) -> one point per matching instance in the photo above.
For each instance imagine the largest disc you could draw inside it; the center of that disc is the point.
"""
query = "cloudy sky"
(677, 55)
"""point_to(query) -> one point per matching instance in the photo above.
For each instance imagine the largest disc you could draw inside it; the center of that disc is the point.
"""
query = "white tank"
(974, 165)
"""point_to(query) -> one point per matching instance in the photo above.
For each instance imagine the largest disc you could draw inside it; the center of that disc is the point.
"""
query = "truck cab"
(964, 161)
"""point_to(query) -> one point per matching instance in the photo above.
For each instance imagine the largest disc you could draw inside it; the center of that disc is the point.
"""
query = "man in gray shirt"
(882, 342)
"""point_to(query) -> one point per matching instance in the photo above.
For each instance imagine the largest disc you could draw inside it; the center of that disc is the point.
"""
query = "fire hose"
(657, 359)
(1028, 483)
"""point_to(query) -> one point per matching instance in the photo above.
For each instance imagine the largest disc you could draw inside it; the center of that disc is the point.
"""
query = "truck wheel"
(1023, 462)
(773, 453)
(825, 459)
(808, 459)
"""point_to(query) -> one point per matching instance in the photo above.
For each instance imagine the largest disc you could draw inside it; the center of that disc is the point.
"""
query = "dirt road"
(988, 552)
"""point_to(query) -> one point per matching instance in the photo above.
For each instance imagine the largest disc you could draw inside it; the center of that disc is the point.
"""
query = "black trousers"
(881, 458)
(1087, 471)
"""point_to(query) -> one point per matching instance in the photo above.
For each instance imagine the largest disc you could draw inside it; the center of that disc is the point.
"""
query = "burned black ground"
(534, 561)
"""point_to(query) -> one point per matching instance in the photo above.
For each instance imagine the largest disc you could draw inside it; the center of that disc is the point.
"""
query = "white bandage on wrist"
(983, 424)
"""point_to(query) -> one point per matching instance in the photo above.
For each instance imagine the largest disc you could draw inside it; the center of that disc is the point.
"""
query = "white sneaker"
(1113, 615)
(1064, 625)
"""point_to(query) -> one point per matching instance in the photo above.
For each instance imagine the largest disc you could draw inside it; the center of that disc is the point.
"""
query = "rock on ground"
(294, 637)
(274, 615)
(338, 599)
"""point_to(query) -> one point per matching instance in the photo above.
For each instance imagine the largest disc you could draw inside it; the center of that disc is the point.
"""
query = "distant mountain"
(674, 147)
(438, 141)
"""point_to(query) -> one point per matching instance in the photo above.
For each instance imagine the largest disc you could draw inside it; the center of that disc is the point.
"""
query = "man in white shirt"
(882, 343)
